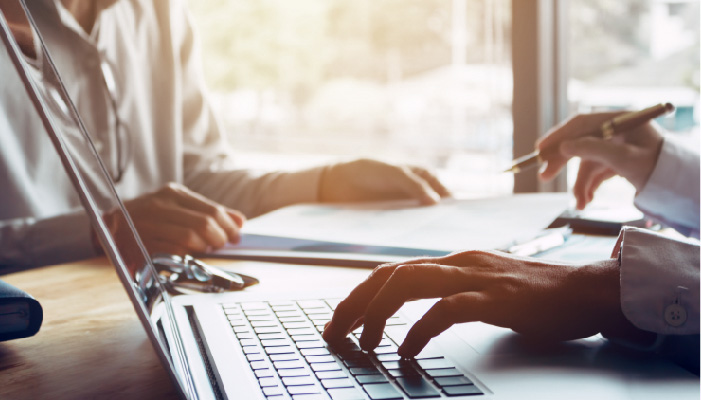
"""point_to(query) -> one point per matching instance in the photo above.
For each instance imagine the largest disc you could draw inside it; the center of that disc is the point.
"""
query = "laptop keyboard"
(282, 342)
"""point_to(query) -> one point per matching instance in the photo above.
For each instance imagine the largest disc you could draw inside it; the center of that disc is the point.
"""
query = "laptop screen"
(37, 82)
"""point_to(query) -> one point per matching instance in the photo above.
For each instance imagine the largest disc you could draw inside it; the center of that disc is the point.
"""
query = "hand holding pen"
(609, 144)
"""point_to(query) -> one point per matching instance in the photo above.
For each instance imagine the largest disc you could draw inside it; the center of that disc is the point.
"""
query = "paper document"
(397, 227)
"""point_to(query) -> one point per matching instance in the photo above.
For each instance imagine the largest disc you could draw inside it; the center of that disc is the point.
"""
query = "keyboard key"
(417, 387)
(305, 389)
(332, 374)
(237, 322)
(318, 311)
(255, 357)
(307, 304)
(268, 382)
(453, 381)
(320, 359)
(241, 329)
(295, 325)
(293, 372)
(386, 350)
(275, 342)
(244, 335)
(358, 363)
(269, 336)
(282, 314)
(256, 313)
(251, 350)
(285, 357)
(435, 363)
(272, 391)
(346, 394)
(363, 379)
(260, 324)
(312, 344)
(252, 318)
(320, 317)
(304, 338)
(435, 373)
(292, 319)
(314, 352)
(325, 367)
(266, 329)
(279, 350)
(289, 364)
(462, 390)
(392, 364)
(382, 391)
(284, 307)
(302, 331)
(398, 373)
(298, 380)
(248, 342)
(259, 365)
(264, 373)
(337, 383)
(388, 357)
(364, 371)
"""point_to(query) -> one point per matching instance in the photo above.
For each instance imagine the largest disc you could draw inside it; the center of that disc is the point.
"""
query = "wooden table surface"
(91, 344)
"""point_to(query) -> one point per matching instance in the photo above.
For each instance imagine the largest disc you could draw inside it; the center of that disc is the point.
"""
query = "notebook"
(254, 346)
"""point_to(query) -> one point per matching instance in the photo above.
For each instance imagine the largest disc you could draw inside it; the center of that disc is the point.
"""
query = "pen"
(621, 123)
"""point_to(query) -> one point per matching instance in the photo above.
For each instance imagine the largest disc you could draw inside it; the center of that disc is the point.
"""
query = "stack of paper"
(371, 233)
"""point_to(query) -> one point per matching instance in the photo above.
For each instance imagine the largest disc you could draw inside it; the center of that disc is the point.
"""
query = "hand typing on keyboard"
(530, 296)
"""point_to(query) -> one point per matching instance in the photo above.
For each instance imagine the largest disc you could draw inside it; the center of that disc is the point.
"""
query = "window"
(413, 81)
(631, 54)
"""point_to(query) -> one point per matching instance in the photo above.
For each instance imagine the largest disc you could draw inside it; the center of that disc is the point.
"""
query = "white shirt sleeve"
(671, 194)
(206, 166)
(659, 282)
(26, 242)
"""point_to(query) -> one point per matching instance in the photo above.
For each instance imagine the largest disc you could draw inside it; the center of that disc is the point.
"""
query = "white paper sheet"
(454, 224)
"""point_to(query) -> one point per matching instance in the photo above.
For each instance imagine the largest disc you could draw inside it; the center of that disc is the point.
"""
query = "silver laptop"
(249, 346)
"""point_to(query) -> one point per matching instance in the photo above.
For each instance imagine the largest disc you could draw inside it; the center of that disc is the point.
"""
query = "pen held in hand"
(608, 129)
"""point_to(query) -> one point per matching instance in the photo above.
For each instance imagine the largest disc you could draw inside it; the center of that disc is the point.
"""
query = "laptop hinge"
(209, 364)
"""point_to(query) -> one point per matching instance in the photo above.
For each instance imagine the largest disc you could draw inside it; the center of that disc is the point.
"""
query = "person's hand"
(533, 297)
(369, 180)
(632, 155)
(175, 220)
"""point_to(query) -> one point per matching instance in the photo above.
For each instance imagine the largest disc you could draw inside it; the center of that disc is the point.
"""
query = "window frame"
(540, 75)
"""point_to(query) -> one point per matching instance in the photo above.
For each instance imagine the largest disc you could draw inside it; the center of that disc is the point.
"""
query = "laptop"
(241, 345)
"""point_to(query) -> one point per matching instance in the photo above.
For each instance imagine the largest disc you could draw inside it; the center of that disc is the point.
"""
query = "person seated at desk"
(647, 291)
(132, 68)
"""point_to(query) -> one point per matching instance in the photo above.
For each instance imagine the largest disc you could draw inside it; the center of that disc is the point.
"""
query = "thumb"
(609, 153)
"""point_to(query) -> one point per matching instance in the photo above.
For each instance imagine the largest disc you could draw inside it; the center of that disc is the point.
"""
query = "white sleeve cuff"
(659, 282)
(671, 194)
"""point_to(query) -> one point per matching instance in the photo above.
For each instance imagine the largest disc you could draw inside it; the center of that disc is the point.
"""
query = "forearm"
(255, 194)
(30, 242)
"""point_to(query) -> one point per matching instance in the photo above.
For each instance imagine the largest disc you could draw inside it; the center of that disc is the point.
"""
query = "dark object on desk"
(20, 314)
(601, 221)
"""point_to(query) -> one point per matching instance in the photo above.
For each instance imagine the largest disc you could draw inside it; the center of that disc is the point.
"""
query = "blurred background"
(429, 82)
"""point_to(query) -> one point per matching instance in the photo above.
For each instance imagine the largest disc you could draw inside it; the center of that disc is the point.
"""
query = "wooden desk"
(91, 344)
